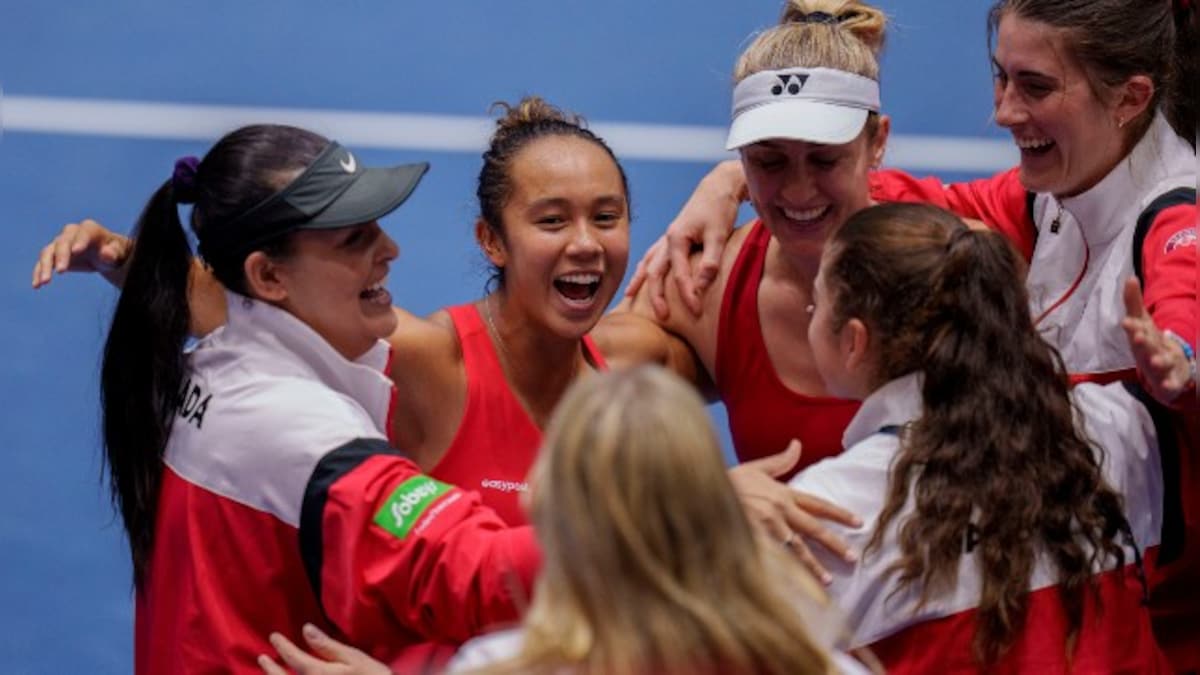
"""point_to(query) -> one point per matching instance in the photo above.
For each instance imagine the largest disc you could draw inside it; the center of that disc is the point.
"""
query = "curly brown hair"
(997, 461)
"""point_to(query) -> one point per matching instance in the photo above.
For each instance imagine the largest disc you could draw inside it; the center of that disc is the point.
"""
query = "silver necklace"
(487, 314)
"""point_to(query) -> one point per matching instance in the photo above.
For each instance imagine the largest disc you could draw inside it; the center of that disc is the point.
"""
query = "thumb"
(781, 462)
(1132, 294)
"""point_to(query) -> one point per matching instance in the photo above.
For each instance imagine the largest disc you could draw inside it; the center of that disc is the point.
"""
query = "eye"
(608, 218)
(353, 237)
(823, 162)
(550, 220)
(768, 163)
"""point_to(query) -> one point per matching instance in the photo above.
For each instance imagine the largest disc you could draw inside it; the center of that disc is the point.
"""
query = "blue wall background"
(65, 600)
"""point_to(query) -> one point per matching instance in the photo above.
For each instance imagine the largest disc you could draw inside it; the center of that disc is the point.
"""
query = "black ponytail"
(144, 367)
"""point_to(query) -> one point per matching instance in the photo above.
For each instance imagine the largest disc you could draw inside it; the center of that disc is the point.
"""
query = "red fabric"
(457, 572)
(998, 201)
(200, 609)
(1114, 638)
(1171, 271)
(764, 415)
(496, 442)
(407, 601)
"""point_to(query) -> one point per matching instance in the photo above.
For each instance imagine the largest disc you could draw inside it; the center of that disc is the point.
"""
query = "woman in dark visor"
(254, 471)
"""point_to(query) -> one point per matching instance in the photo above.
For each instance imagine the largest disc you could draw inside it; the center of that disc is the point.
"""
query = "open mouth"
(377, 294)
(1035, 147)
(807, 216)
(579, 288)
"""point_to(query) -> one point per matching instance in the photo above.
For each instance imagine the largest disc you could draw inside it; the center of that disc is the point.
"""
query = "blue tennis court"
(100, 98)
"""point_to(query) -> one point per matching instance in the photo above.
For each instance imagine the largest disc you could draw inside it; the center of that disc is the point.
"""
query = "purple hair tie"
(183, 180)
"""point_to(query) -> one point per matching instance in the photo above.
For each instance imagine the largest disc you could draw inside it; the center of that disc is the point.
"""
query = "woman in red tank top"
(807, 123)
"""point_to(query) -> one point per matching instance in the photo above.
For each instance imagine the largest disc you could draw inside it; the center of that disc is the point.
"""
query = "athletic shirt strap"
(497, 441)
(764, 414)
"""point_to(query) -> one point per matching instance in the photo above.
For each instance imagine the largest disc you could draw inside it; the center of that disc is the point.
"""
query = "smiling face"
(564, 239)
(1069, 137)
(333, 280)
(802, 191)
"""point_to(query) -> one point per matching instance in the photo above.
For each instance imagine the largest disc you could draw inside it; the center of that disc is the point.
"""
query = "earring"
(1120, 122)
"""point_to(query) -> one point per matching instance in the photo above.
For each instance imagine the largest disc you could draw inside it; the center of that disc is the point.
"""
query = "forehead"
(1035, 46)
(564, 164)
(797, 147)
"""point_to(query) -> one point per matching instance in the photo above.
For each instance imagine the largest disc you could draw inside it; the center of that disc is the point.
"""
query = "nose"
(798, 186)
(389, 250)
(584, 242)
(1008, 108)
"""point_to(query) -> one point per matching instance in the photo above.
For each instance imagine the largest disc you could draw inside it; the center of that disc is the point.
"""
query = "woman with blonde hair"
(649, 563)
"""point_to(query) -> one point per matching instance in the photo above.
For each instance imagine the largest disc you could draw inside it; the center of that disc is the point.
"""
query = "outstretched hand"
(789, 516)
(1165, 369)
(332, 657)
(705, 221)
(86, 246)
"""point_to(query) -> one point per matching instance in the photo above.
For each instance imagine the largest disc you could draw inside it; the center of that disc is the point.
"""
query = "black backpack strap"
(1176, 197)
(1030, 197)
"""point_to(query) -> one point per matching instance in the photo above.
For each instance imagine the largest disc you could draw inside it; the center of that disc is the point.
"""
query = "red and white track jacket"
(1080, 249)
(936, 637)
(282, 502)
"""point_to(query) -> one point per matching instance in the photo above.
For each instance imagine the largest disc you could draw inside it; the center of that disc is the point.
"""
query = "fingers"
(826, 510)
(65, 243)
(1132, 294)
(710, 258)
(679, 249)
(809, 527)
(637, 280)
(765, 516)
(777, 464)
(300, 660)
(269, 666)
(327, 647)
(658, 265)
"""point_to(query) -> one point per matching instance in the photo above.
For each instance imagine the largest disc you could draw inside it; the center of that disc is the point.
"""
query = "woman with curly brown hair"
(995, 498)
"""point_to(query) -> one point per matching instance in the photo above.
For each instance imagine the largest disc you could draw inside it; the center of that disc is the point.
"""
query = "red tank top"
(764, 414)
(497, 441)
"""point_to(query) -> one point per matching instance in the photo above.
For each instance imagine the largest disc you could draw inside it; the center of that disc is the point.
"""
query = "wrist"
(1189, 353)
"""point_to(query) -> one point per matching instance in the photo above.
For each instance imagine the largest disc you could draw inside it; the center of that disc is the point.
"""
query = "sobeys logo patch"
(409, 500)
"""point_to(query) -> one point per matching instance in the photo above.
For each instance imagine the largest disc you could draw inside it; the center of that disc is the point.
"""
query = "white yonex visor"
(819, 105)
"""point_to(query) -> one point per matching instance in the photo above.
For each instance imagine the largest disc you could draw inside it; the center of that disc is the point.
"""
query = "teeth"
(809, 214)
(1033, 143)
(580, 278)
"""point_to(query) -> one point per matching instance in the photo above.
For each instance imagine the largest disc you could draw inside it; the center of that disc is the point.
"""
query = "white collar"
(1158, 156)
(894, 404)
(280, 336)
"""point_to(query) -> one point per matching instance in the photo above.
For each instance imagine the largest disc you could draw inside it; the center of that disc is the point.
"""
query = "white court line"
(440, 133)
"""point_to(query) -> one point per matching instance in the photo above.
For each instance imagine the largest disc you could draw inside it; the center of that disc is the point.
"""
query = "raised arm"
(88, 246)
(704, 223)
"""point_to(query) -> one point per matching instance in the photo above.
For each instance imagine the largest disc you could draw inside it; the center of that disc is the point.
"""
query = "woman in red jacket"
(252, 470)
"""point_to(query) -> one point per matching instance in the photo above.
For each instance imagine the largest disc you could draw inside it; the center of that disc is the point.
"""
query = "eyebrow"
(563, 202)
(1024, 73)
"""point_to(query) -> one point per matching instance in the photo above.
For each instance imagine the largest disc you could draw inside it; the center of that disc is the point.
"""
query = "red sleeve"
(1171, 272)
(394, 553)
(999, 201)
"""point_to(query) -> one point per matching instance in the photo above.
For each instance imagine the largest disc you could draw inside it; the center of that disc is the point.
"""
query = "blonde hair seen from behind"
(650, 564)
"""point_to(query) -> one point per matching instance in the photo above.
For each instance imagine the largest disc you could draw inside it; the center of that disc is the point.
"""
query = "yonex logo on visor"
(820, 105)
(792, 84)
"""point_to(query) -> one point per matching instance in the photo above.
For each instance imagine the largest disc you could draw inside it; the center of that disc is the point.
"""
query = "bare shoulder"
(429, 341)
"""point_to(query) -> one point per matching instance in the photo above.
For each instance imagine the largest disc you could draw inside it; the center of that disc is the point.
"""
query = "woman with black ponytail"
(253, 472)
(1005, 514)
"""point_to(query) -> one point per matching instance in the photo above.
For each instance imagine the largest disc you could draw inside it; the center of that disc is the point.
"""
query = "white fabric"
(1099, 224)
(857, 480)
(276, 398)
(819, 105)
